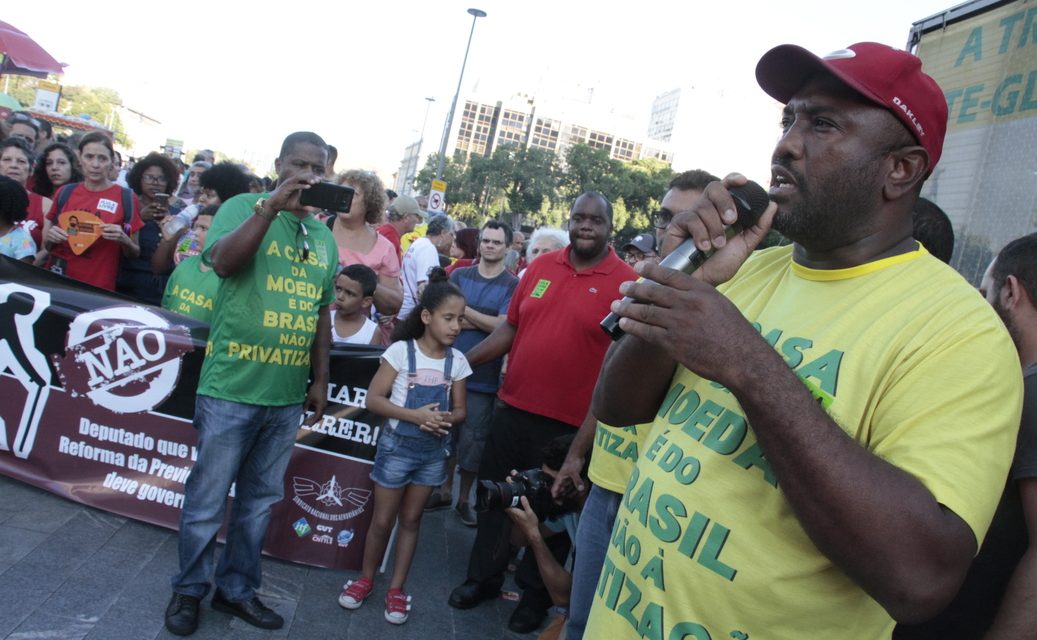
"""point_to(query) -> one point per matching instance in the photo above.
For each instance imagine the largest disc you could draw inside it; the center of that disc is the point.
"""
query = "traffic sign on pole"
(436, 197)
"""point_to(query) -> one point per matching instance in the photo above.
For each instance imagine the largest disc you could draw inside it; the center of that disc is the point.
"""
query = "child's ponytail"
(438, 289)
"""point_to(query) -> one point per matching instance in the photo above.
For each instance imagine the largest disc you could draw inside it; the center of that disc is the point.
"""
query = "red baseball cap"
(889, 77)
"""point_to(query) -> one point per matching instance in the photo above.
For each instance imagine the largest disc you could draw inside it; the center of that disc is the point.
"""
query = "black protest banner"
(98, 393)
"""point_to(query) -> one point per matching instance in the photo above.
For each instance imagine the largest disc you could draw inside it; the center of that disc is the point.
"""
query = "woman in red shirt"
(99, 263)
(16, 163)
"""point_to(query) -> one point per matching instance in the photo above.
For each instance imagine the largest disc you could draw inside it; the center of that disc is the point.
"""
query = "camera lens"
(490, 495)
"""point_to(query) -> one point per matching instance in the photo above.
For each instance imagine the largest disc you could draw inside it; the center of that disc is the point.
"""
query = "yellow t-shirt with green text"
(905, 356)
(615, 454)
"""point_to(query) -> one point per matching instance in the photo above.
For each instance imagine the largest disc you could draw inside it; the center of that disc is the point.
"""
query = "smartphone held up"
(328, 196)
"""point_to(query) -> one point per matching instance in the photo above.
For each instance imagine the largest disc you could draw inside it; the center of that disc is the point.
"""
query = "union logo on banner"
(124, 358)
(329, 500)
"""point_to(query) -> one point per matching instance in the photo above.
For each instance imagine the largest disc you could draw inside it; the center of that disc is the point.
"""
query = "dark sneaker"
(251, 611)
(437, 501)
(525, 619)
(182, 614)
(470, 594)
(466, 513)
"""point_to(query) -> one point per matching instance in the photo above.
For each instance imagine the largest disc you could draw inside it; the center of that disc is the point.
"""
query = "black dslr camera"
(532, 483)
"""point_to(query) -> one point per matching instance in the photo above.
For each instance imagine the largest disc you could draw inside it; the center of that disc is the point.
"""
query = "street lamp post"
(476, 14)
(421, 140)
(413, 170)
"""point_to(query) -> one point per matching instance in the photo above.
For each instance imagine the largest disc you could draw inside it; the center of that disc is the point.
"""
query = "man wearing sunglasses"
(271, 321)
(684, 190)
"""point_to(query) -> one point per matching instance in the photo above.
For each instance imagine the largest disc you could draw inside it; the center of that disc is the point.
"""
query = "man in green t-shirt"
(270, 324)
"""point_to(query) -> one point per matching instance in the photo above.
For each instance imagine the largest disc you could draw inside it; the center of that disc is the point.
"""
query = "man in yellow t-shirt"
(832, 423)
(615, 450)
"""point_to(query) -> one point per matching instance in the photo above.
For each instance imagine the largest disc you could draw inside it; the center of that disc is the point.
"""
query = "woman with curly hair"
(57, 166)
(151, 178)
(359, 243)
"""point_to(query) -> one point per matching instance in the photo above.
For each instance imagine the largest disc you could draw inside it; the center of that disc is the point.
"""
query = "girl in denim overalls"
(415, 388)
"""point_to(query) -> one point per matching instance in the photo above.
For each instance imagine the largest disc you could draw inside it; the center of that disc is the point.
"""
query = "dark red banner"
(97, 396)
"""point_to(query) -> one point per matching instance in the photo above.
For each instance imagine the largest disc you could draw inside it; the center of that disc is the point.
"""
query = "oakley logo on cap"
(910, 115)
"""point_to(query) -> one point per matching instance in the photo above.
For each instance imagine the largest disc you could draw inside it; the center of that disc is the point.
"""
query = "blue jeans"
(592, 543)
(402, 460)
(242, 443)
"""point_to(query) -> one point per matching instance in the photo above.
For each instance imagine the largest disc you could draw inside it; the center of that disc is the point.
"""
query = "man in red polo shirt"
(555, 347)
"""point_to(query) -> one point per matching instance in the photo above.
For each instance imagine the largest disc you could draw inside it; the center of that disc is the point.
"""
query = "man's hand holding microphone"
(675, 305)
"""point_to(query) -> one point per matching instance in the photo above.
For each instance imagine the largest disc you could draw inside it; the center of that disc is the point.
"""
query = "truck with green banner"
(983, 54)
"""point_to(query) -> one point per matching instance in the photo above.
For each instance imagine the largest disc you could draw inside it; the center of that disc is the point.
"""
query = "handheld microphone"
(750, 200)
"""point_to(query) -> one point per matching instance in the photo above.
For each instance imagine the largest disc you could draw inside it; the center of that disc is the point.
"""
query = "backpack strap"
(127, 203)
(63, 195)
(127, 209)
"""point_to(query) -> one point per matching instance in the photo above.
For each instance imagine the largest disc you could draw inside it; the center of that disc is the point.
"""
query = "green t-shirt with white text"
(265, 316)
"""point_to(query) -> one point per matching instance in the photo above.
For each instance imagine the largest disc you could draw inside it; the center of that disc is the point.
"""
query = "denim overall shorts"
(406, 454)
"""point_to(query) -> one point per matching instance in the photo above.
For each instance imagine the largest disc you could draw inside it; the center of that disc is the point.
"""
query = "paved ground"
(71, 572)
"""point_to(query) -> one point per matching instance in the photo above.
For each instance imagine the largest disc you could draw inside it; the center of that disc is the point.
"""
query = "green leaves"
(537, 187)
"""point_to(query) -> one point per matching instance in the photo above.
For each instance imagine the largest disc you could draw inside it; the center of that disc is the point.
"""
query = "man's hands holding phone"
(286, 196)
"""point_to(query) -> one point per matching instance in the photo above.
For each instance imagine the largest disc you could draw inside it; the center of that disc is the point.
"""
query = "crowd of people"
(126, 204)
(835, 437)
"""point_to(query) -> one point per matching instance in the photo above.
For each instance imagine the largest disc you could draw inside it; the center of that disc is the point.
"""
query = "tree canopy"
(100, 103)
(531, 186)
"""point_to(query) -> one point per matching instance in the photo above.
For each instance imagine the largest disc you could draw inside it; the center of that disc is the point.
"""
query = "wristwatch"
(261, 212)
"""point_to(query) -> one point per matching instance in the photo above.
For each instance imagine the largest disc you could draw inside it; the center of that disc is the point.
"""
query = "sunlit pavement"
(72, 572)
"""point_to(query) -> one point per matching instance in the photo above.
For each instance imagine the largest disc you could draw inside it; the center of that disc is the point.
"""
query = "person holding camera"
(555, 347)
(558, 517)
(248, 408)
(150, 178)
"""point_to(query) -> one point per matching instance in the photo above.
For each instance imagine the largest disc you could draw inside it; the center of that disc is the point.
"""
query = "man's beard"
(586, 253)
(829, 212)
(1006, 318)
